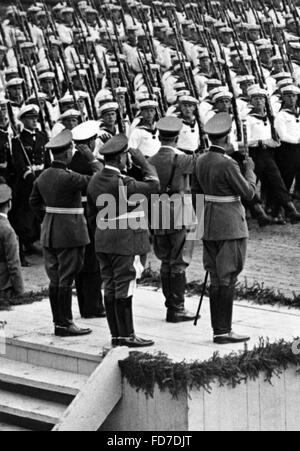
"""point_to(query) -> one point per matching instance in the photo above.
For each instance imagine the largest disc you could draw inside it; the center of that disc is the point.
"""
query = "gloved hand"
(249, 164)
(137, 157)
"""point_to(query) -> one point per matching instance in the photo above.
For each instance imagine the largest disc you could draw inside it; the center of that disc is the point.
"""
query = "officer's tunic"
(225, 225)
(119, 250)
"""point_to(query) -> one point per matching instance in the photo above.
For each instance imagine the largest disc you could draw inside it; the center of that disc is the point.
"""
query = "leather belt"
(65, 211)
(222, 199)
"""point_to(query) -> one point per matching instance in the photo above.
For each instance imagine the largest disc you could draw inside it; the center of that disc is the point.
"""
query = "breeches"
(169, 249)
(63, 265)
(224, 260)
(119, 274)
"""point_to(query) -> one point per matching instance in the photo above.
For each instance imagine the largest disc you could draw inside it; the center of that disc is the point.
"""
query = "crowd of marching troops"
(105, 69)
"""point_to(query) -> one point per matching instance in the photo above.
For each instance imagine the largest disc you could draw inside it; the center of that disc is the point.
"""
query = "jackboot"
(110, 306)
(214, 305)
(262, 218)
(53, 298)
(67, 328)
(166, 288)
(293, 213)
(88, 288)
(125, 325)
(223, 327)
(176, 312)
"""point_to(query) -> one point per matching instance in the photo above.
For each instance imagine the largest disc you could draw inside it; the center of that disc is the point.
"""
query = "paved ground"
(32, 323)
(273, 259)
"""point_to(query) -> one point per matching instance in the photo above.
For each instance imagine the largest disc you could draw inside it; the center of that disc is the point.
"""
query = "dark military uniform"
(88, 282)
(120, 248)
(219, 178)
(27, 169)
(5, 156)
(170, 239)
(56, 200)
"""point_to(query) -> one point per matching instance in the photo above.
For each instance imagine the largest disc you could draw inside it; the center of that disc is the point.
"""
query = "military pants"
(169, 249)
(62, 266)
(119, 274)
(288, 161)
(224, 260)
(269, 174)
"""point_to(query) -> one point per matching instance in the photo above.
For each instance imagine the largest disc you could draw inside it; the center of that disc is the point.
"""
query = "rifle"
(35, 90)
(121, 124)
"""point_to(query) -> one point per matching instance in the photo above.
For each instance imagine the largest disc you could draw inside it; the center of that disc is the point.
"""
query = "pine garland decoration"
(144, 371)
(257, 293)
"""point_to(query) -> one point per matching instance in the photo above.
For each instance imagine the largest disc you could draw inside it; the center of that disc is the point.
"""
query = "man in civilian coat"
(11, 280)
(219, 178)
(56, 200)
(122, 236)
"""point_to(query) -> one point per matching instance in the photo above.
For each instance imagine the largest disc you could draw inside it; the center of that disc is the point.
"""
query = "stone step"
(6, 427)
(52, 380)
(53, 357)
(38, 410)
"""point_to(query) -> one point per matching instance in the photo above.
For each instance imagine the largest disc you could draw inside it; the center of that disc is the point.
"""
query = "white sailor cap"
(85, 131)
(14, 82)
(284, 82)
(69, 114)
(281, 75)
(47, 76)
(183, 93)
(245, 79)
(295, 45)
(189, 99)
(291, 89)
(31, 110)
(11, 71)
(121, 90)
(257, 91)
(213, 82)
(68, 98)
(40, 95)
(226, 30)
(148, 104)
(109, 106)
(81, 73)
(222, 95)
(276, 57)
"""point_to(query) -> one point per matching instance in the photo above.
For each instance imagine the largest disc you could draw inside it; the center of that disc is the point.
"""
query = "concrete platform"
(32, 325)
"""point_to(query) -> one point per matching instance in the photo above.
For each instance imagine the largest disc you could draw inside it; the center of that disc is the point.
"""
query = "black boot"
(292, 212)
(262, 218)
(67, 328)
(223, 327)
(214, 306)
(53, 297)
(88, 288)
(176, 312)
(126, 328)
(110, 306)
(166, 288)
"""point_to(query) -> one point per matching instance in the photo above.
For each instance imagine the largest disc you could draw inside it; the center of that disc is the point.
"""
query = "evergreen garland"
(144, 371)
(24, 299)
(257, 293)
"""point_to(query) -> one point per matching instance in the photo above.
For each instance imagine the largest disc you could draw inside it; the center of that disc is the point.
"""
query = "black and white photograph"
(149, 218)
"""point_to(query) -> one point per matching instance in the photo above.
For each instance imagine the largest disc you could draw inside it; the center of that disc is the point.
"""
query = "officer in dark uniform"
(122, 237)
(174, 172)
(219, 178)
(88, 282)
(6, 167)
(28, 150)
(56, 201)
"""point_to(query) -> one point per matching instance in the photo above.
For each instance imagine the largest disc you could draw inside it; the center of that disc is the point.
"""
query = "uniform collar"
(112, 168)
(59, 165)
(218, 149)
